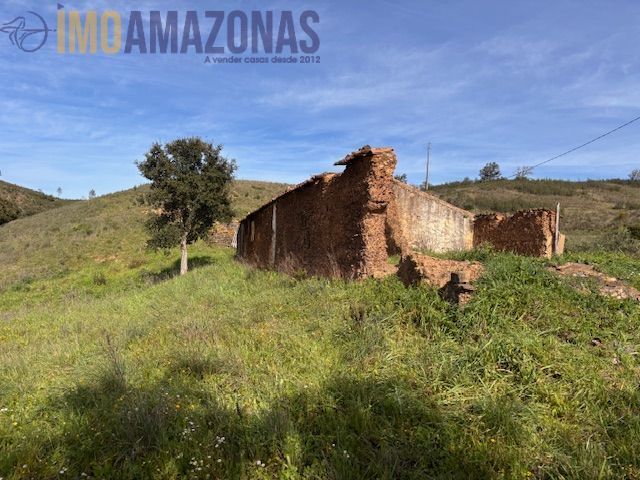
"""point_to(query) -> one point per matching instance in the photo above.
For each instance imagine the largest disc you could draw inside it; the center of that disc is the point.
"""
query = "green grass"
(113, 367)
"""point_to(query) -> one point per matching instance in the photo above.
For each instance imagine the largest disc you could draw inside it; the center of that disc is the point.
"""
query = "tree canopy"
(491, 171)
(190, 182)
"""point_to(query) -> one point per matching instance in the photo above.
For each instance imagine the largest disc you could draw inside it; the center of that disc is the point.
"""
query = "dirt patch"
(454, 279)
(109, 259)
(607, 285)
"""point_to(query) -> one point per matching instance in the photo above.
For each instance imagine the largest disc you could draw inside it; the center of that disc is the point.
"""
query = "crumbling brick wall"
(430, 224)
(347, 224)
(529, 232)
(331, 225)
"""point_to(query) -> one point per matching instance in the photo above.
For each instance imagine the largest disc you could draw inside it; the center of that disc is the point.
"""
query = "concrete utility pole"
(426, 183)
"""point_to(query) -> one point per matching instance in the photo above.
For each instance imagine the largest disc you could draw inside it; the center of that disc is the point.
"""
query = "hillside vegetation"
(107, 232)
(17, 202)
(111, 366)
(602, 213)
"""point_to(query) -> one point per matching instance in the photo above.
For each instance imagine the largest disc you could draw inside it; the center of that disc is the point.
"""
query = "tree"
(634, 176)
(522, 173)
(401, 178)
(92, 194)
(190, 183)
(59, 191)
(491, 171)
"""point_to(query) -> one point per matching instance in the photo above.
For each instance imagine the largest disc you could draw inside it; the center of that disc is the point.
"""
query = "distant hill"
(590, 210)
(17, 202)
(248, 195)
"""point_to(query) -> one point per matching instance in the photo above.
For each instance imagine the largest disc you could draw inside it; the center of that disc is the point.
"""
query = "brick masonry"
(346, 225)
(529, 232)
(331, 225)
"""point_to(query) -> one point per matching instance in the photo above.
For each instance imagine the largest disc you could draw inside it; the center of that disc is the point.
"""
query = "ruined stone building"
(348, 224)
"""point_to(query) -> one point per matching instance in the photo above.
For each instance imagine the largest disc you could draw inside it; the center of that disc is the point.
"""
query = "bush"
(8, 211)
(634, 231)
(623, 239)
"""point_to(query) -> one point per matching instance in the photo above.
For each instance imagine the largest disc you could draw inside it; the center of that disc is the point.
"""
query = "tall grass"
(235, 373)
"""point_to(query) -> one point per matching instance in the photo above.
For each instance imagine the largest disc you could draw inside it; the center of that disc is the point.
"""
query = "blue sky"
(505, 81)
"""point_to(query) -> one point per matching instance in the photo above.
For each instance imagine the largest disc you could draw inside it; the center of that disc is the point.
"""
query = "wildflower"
(219, 460)
(4, 410)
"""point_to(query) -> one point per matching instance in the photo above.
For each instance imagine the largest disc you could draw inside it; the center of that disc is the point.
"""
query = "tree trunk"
(184, 265)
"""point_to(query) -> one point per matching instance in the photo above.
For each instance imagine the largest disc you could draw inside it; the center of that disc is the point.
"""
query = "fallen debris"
(454, 279)
(607, 285)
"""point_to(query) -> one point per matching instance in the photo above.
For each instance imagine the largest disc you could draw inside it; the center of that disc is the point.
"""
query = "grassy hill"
(105, 233)
(113, 367)
(17, 202)
(593, 212)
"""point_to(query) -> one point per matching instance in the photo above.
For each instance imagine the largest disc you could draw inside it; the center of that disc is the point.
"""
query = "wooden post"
(557, 233)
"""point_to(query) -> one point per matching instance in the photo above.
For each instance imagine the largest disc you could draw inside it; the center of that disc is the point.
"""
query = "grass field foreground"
(120, 369)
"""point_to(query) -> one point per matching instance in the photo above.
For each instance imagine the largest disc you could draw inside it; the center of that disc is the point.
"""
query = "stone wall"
(331, 225)
(431, 224)
(529, 232)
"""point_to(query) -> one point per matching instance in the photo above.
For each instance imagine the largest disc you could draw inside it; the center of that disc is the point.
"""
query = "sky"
(511, 82)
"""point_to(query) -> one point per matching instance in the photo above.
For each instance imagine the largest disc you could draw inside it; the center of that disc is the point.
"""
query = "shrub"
(99, 279)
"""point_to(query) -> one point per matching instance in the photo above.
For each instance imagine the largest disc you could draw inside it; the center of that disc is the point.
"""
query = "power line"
(583, 145)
